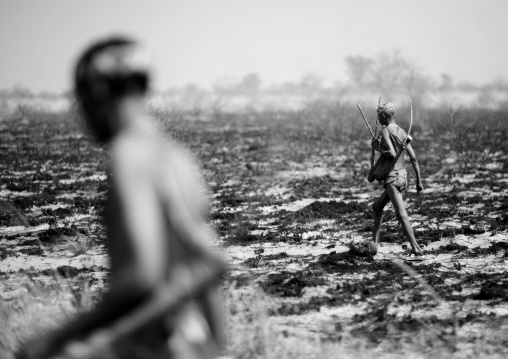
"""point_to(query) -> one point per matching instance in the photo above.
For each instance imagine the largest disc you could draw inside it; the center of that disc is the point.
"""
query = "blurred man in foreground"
(163, 296)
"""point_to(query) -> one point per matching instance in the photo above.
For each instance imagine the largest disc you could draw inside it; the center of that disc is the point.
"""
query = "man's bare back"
(155, 194)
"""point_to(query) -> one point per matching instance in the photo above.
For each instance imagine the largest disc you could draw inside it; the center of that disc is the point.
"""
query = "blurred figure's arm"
(184, 206)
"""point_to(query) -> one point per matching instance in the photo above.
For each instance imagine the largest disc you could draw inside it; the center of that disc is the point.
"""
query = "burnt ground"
(288, 198)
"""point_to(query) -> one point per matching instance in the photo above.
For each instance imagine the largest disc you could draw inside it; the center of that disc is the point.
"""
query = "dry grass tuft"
(34, 313)
(76, 245)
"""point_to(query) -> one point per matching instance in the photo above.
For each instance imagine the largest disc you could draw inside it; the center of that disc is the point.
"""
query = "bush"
(477, 136)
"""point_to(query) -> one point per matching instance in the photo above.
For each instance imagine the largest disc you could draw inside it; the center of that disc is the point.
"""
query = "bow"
(410, 123)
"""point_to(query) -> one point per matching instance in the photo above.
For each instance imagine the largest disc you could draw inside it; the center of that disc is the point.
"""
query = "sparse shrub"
(172, 122)
(241, 232)
(327, 118)
(476, 135)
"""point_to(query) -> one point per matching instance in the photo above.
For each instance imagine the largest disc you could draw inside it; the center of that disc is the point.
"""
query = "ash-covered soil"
(288, 198)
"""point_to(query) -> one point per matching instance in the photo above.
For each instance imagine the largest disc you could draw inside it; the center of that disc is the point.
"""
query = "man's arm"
(416, 167)
(179, 186)
(385, 147)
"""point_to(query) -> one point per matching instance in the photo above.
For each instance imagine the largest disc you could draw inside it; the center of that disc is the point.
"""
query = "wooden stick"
(367, 122)
(377, 121)
(186, 281)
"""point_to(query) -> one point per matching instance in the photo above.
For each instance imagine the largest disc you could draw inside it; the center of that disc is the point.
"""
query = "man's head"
(386, 112)
(106, 72)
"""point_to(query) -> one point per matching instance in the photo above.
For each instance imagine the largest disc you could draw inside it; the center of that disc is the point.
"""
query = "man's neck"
(130, 113)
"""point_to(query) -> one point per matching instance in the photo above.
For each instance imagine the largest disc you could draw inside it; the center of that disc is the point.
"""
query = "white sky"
(201, 41)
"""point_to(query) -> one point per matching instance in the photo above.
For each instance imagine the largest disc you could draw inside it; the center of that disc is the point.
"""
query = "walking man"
(391, 143)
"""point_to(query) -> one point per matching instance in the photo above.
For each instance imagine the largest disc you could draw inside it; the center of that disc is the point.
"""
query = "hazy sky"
(201, 41)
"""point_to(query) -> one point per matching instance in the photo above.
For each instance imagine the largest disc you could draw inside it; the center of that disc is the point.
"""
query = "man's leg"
(400, 210)
(378, 207)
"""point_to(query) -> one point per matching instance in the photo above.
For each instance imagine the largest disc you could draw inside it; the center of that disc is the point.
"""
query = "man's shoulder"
(385, 132)
(396, 131)
(180, 162)
(134, 154)
(128, 146)
(154, 153)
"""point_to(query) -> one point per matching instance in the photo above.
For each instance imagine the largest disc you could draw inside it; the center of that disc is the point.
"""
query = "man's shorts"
(397, 179)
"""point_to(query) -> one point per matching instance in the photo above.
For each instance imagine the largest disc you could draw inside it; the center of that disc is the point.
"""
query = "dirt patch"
(493, 290)
(289, 284)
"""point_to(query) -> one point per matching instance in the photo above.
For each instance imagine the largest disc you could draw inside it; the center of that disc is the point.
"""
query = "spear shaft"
(367, 122)
(377, 120)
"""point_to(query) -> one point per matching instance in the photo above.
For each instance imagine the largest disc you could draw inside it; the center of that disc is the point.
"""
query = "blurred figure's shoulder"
(181, 171)
(156, 155)
(179, 161)
(133, 150)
